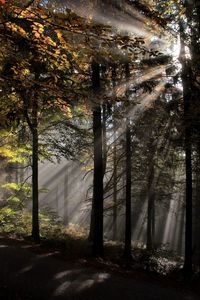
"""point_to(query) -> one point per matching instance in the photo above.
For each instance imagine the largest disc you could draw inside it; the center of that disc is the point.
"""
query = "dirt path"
(29, 276)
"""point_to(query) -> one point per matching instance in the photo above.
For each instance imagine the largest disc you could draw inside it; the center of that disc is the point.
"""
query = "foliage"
(45, 86)
(161, 264)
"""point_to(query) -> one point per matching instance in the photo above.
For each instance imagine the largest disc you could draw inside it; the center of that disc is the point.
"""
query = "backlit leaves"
(13, 154)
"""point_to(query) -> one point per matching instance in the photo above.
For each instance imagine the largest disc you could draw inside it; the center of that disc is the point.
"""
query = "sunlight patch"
(61, 289)
(85, 284)
(60, 275)
(26, 269)
(47, 254)
(102, 277)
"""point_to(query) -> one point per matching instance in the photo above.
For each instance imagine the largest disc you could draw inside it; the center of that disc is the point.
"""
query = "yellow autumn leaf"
(68, 112)
(37, 35)
(40, 30)
(25, 71)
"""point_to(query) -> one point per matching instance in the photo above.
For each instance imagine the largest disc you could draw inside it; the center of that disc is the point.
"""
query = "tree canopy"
(122, 76)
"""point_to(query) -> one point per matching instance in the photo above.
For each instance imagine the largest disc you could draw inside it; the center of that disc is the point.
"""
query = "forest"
(99, 137)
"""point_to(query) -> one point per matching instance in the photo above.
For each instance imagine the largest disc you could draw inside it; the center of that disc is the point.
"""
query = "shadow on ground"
(29, 276)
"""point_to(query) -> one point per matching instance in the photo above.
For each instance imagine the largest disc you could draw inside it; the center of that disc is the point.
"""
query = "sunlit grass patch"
(76, 231)
(71, 240)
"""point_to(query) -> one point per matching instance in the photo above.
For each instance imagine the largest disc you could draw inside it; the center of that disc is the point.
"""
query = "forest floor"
(34, 272)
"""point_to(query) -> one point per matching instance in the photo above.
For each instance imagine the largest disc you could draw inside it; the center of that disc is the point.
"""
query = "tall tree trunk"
(104, 120)
(66, 208)
(196, 251)
(31, 101)
(21, 140)
(98, 184)
(187, 97)
(188, 199)
(127, 246)
(151, 195)
(150, 209)
(114, 184)
(114, 225)
(104, 138)
(97, 203)
(35, 208)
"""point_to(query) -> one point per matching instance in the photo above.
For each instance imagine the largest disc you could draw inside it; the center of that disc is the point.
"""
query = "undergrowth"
(16, 220)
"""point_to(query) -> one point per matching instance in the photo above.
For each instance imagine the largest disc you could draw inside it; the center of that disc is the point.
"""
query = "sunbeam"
(145, 102)
(127, 19)
(136, 80)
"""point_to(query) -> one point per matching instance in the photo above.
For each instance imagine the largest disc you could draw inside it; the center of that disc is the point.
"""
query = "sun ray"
(126, 20)
(121, 88)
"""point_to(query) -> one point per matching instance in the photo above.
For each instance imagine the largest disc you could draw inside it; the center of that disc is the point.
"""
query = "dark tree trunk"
(35, 208)
(151, 195)
(127, 246)
(188, 199)
(114, 185)
(104, 121)
(20, 171)
(31, 101)
(98, 184)
(187, 97)
(150, 209)
(66, 208)
(90, 236)
(104, 144)
(97, 203)
(196, 251)
(114, 162)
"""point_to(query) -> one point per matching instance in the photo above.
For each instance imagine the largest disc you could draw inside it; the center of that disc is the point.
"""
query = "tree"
(186, 81)
(127, 244)
(97, 203)
(28, 73)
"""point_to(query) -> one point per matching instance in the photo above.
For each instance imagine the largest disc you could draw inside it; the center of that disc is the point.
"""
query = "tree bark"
(150, 209)
(188, 199)
(187, 97)
(66, 208)
(104, 144)
(127, 245)
(114, 184)
(97, 203)
(98, 184)
(30, 101)
(114, 225)
(35, 208)
(151, 195)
